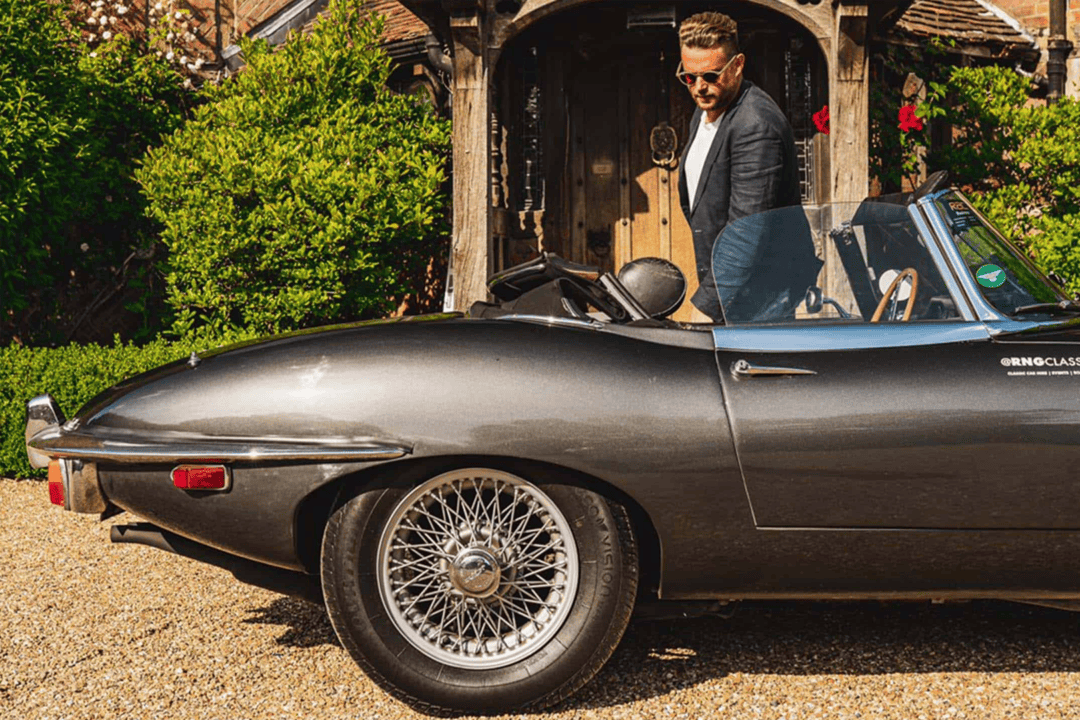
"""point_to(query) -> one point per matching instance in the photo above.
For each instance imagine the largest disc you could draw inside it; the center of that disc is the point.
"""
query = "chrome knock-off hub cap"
(475, 573)
(478, 568)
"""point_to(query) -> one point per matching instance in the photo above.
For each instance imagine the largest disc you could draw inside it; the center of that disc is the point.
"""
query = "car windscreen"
(854, 262)
(1005, 276)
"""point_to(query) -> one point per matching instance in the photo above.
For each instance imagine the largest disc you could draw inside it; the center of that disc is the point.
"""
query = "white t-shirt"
(699, 150)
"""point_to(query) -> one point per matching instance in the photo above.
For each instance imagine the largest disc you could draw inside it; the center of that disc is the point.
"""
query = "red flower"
(909, 120)
(821, 119)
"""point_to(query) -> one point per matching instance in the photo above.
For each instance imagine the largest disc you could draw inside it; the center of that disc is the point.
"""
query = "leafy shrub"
(898, 74)
(72, 374)
(73, 122)
(38, 60)
(1022, 161)
(304, 190)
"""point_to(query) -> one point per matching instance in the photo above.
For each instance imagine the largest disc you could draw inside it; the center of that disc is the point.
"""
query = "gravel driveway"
(94, 630)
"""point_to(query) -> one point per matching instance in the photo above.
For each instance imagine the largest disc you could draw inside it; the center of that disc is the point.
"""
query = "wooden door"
(622, 205)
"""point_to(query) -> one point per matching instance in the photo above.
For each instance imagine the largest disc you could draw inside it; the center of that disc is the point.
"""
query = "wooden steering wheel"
(893, 288)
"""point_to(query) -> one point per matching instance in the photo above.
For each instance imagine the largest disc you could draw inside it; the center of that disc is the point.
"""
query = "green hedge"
(72, 374)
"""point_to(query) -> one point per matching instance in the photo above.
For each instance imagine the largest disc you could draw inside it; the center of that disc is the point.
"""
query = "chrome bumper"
(82, 488)
(42, 413)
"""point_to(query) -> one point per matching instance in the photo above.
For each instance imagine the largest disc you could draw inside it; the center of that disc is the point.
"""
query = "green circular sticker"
(990, 276)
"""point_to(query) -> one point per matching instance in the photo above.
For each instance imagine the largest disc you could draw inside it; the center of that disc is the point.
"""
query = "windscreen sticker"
(960, 215)
(1042, 366)
(990, 276)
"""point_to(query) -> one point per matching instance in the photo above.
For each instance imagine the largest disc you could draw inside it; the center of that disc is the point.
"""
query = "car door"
(902, 425)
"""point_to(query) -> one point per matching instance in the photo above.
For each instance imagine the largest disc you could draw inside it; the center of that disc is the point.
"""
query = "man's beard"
(719, 101)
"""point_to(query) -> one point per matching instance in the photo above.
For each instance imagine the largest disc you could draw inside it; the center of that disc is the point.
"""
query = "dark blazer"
(751, 167)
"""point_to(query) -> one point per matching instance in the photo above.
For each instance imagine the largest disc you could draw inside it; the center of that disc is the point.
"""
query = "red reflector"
(56, 483)
(200, 477)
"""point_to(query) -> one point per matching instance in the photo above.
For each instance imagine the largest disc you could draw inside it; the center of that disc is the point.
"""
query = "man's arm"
(757, 170)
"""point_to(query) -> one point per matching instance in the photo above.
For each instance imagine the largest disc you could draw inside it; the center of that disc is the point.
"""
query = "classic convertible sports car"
(481, 501)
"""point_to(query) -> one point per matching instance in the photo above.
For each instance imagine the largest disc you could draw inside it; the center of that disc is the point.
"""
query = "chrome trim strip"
(552, 320)
(58, 444)
(862, 336)
(933, 245)
(983, 310)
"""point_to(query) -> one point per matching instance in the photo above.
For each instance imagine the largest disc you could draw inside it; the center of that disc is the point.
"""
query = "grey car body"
(833, 459)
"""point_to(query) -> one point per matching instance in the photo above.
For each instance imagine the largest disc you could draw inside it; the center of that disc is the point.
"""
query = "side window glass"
(1004, 275)
(844, 262)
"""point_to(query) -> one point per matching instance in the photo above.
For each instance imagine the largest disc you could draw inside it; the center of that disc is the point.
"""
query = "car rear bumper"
(79, 479)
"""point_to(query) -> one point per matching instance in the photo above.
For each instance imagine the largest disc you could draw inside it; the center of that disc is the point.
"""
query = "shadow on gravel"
(792, 638)
(867, 638)
(306, 624)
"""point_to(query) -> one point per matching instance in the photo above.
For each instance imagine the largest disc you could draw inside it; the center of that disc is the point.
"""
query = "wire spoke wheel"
(466, 590)
(477, 569)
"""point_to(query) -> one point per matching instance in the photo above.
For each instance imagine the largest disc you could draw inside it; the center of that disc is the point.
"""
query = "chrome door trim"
(860, 336)
(933, 245)
(56, 443)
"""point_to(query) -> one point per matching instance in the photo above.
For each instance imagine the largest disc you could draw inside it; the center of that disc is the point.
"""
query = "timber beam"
(472, 106)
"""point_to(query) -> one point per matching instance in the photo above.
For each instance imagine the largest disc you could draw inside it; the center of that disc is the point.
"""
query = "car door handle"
(742, 368)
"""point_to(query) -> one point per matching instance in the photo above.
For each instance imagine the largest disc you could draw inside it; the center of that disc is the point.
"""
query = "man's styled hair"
(708, 30)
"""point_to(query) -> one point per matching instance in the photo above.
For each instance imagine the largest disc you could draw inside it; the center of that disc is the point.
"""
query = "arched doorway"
(590, 121)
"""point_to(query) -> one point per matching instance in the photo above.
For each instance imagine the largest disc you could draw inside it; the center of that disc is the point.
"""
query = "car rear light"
(56, 483)
(201, 477)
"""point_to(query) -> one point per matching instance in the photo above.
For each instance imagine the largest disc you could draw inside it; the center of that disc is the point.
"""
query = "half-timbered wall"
(598, 79)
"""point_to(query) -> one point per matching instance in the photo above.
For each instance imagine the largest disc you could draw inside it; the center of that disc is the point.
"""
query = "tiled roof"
(968, 22)
(401, 24)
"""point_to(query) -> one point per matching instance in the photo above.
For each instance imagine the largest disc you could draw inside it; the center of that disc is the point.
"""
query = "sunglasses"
(711, 77)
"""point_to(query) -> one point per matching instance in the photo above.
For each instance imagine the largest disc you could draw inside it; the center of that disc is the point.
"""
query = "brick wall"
(222, 21)
(1034, 15)
(218, 23)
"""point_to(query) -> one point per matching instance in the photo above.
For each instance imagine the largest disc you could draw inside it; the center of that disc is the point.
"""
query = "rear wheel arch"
(314, 511)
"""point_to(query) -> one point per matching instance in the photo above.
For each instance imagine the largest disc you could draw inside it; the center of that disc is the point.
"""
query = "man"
(740, 160)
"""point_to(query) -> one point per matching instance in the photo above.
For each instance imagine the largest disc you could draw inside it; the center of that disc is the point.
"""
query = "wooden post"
(849, 105)
(471, 253)
(849, 135)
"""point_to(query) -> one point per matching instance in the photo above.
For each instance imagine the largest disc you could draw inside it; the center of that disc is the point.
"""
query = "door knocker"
(665, 144)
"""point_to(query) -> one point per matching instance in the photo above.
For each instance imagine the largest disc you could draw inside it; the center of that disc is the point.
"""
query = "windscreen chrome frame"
(945, 269)
(983, 310)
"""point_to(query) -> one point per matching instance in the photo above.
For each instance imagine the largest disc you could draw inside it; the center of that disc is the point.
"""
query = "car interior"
(883, 272)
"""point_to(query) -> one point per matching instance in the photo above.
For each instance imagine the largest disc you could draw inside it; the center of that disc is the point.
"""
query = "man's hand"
(696, 316)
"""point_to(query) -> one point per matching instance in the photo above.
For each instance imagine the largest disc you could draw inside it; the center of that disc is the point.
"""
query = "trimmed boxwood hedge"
(73, 374)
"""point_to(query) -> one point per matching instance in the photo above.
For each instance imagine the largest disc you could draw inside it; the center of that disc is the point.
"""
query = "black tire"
(554, 667)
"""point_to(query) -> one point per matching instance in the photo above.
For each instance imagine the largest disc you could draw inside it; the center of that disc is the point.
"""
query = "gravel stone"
(100, 631)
